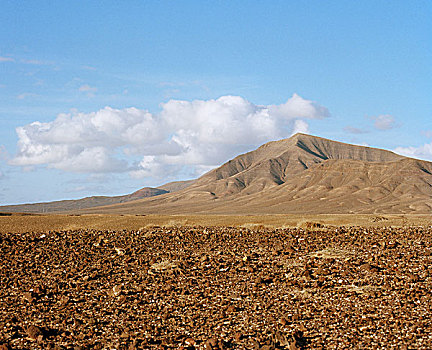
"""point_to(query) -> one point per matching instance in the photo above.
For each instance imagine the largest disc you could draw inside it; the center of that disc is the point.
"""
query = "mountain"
(302, 174)
(176, 185)
(278, 162)
(95, 201)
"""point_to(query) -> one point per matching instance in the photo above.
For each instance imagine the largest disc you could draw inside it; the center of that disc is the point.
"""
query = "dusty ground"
(217, 287)
(56, 222)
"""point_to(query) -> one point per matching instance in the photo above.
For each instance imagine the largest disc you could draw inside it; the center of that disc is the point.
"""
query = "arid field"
(43, 223)
(215, 175)
(215, 282)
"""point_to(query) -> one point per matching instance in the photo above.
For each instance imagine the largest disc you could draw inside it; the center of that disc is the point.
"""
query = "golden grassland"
(55, 222)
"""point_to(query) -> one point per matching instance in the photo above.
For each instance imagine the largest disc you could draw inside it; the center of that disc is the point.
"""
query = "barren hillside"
(301, 174)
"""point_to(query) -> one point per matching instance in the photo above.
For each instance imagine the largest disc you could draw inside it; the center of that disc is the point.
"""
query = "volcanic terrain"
(302, 174)
(217, 288)
(122, 279)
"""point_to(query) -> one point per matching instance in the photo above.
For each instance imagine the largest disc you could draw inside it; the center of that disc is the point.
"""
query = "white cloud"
(151, 167)
(3, 153)
(298, 107)
(196, 134)
(87, 88)
(427, 133)
(300, 126)
(36, 62)
(88, 67)
(26, 95)
(6, 59)
(384, 122)
(354, 130)
(422, 152)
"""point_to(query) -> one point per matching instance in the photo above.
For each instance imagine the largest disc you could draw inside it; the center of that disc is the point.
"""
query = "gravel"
(217, 288)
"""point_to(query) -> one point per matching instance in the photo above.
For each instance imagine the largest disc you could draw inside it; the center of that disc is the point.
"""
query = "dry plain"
(20, 223)
(215, 282)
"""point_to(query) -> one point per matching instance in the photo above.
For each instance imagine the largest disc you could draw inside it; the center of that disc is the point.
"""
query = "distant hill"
(176, 185)
(95, 201)
(301, 174)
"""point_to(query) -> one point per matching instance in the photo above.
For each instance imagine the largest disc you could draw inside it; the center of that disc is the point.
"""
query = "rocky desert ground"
(217, 287)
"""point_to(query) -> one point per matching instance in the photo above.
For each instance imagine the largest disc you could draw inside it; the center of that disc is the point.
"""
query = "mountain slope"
(302, 174)
(176, 185)
(95, 201)
(276, 162)
(83, 203)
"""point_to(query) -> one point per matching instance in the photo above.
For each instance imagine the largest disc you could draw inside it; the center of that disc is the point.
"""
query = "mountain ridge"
(301, 174)
(95, 201)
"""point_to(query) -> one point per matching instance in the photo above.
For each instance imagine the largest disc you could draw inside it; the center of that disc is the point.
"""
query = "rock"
(28, 296)
(283, 321)
(116, 290)
(177, 283)
(190, 342)
(231, 309)
(35, 332)
(211, 344)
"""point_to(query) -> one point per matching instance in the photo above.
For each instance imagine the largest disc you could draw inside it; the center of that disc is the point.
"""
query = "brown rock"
(34, 332)
(283, 321)
(124, 335)
(28, 296)
(221, 344)
(231, 309)
(281, 339)
(307, 274)
(211, 344)
(190, 342)
(267, 347)
(295, 317)
(219, 299)
(293, 346)
(64, 300)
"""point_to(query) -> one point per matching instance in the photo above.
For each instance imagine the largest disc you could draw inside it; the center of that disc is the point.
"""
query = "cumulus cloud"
(300, 126)
(197, 134)
(3, 153)
(422, 152)
(384, 122)
(298, 107)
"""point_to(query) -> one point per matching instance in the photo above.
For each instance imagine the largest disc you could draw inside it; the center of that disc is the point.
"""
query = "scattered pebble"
(217, 288)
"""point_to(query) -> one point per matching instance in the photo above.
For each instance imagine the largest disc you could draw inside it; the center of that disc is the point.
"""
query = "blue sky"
(103, 98)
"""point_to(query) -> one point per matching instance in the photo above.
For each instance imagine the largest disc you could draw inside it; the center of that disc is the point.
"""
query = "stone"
(34, 332)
